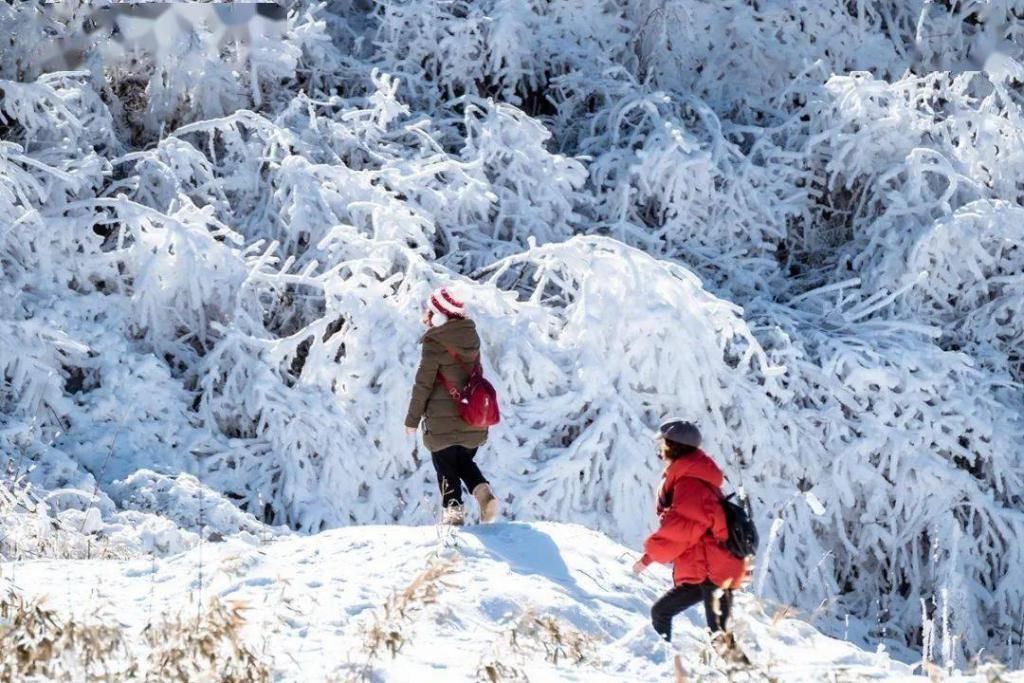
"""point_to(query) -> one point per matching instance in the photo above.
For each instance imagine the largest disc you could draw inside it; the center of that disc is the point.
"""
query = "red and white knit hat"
(443, 303)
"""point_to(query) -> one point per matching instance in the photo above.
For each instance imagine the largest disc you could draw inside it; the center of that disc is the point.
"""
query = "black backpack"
(742, 541)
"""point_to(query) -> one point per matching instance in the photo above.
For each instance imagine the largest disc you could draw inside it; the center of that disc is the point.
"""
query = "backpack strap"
(452, 391)
(470, 371)
(454, 354)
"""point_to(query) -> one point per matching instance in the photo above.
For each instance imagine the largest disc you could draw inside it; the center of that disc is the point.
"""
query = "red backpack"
(478, 401)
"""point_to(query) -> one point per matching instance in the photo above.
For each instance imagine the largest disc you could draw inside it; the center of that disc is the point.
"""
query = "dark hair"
(674, 451)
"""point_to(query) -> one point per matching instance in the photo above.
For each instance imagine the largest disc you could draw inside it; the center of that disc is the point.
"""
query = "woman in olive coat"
(451, 347)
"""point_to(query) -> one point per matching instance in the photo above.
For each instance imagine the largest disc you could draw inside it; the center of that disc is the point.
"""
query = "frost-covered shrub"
(57, 130)
(893, 158)
(287, 456)
(508, 49)
(163, 255)
(672, 178)
(308, 419)
(919, 181)
(372, 174)
(128, 409)
(741, 56)
(580, 414)
(180, 67)
(33, 525)
(185, 501)
(250, 168)
(24, 523)
(912, 449)
(964, 34)
(535, 193)
(31, 365)
(972, 287)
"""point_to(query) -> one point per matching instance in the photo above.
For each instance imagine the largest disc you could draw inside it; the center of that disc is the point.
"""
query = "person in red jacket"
(691, 535)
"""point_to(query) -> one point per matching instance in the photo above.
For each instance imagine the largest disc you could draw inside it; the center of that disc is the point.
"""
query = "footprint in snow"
(258, 581)
(255, 582)
(133, 572)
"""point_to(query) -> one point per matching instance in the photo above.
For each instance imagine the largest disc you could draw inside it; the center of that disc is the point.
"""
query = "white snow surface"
(309, 597)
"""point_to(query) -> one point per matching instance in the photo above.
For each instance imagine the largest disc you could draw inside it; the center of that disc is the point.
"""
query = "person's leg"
(677, 600)
(717, 605)
(724, 608)
(469, 473)
(477, 485)
(446, 464)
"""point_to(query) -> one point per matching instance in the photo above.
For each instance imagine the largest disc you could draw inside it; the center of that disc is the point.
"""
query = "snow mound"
(310, 600)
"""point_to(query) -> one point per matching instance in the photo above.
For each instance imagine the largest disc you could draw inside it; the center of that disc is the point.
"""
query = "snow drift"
(545, 601)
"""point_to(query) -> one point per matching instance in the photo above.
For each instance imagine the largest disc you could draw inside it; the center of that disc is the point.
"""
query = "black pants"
(686, 595)
(455, 467)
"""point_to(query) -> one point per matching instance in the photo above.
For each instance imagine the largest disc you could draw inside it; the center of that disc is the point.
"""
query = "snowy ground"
(311, 598)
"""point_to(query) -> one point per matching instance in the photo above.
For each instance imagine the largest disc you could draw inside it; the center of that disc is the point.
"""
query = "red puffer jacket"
(693, 525)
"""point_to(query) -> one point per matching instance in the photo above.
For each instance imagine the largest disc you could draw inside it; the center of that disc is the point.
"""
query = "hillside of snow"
(310, 600)
(799, 224)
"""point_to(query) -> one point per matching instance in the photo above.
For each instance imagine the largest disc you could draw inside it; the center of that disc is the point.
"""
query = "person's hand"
(639, 567)
(410, 430)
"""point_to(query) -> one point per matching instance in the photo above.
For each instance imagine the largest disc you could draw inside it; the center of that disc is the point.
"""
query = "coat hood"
(458, 334)
(696, 465)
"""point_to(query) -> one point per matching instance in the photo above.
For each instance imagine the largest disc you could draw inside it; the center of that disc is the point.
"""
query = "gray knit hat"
(681, 432)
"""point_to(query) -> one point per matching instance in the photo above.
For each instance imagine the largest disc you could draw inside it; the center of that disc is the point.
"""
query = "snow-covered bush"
(184, 500)
(925, 444)
(160, 69)
(742, 56)
(509, 49)
(536, 191)
(583, 425)
(56, 130)
(973, 287)
(919, 184)
(963, 34)
(890, 158)
(673, 179)
(36, 523)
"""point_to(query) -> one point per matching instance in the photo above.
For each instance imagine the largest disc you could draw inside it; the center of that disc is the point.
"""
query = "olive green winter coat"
(442, 426)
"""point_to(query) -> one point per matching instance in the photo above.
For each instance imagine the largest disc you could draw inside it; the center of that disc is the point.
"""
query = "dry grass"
(37, 643)
(559, 641)
(389, 631)
(207, 646)
(783, 612)
(991, 672)
(530, 634)
(495, 670)
(934, 672)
